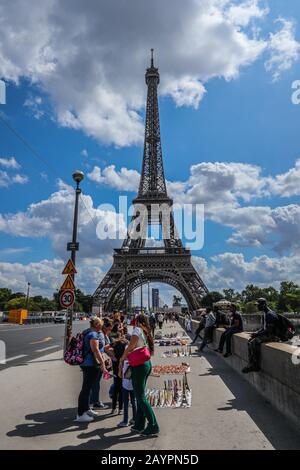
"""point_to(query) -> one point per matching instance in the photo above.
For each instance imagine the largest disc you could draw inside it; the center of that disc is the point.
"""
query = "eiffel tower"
(135, 264)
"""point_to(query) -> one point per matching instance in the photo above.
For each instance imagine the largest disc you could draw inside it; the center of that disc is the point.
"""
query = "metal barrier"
(38, 319)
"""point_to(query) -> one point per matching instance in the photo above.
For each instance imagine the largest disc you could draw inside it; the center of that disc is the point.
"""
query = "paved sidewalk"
(38, 405)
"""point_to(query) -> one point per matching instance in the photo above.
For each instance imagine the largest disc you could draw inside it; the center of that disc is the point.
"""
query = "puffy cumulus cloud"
(232, 270)
(225, 190)
(45, 276)
(53, 218)
(220, 185)
(284, 49)
(123, 180)
(286, 184)
(186, 91)
(222, 271)
(88, 56)
(241, 14)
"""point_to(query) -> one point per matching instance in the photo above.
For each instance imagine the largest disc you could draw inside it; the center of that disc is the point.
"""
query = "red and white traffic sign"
(67, 298)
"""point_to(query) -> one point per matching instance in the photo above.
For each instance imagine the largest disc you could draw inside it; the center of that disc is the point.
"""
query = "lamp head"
(78, 176)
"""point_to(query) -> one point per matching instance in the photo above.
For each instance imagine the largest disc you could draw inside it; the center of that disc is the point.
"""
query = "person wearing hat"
(236, 326)
(269, 333)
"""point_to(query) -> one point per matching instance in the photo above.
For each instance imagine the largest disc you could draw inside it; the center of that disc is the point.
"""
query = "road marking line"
(47, 349)
(45, 340)
(24, 328)
(15, 357)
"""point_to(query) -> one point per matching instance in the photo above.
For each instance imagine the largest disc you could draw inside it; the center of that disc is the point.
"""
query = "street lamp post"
(125, 251)
(73, 247)
(141, 275)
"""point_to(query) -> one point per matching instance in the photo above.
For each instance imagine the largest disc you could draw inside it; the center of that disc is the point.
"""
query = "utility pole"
(27, 296)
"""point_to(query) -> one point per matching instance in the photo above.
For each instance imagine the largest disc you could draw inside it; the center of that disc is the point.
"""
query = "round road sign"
(67, 298)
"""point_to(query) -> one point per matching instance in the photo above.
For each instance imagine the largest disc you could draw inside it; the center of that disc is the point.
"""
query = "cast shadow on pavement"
(103, 441)
(50, 422)
(280, 432)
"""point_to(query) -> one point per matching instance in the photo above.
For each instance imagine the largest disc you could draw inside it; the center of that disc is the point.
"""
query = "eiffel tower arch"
(170, 264)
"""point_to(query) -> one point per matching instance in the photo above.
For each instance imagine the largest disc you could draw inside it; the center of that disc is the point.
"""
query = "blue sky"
(245, 117)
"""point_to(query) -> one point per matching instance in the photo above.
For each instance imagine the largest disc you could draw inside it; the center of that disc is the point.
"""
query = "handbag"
(140, 355)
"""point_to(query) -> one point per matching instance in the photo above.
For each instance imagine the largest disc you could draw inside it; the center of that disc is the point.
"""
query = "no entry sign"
(67, 298)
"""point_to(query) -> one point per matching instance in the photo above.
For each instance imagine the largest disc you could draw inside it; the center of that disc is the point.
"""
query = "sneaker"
(131, 422)
(120, 412)
(227, 355)
(113, 411)
(85, 418)
(149, 432)
(100, 405)
(122, 425)
(134, 429)
(218, 351)
(93, 414)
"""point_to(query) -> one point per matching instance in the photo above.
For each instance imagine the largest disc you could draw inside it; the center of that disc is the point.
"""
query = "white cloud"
(241, 14)
(226, 189)
(53, 218)
(45, 276)
(286, 184)
(89, 57)
(232, 270)
(34, 104)
(284, 49)
(187, 91)
(6, 180)
(20, 179)
(123, 180)
(84, 153)
(9, 163)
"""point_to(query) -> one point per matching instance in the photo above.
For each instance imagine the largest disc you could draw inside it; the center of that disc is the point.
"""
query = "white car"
(60, 317)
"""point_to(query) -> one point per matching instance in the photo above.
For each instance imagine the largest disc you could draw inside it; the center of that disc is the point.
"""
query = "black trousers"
(254, 348)
(117, 394)
(197, 333)
(90, 376)
(226, 338)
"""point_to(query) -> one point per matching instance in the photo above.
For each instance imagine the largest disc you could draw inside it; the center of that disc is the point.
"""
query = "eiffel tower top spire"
(152, 183)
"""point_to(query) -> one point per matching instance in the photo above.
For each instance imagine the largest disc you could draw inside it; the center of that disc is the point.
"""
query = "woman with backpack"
(138, 354)
(92, 368)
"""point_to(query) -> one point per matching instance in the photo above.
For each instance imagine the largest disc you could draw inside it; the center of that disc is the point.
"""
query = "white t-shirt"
(139, 332)
(126, 383)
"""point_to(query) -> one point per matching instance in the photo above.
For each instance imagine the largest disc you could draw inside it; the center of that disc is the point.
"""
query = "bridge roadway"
(38, 404)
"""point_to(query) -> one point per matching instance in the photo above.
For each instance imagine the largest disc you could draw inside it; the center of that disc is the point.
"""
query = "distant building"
(155, 299)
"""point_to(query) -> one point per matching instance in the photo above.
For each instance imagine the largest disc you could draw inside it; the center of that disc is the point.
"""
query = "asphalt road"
(27, 342)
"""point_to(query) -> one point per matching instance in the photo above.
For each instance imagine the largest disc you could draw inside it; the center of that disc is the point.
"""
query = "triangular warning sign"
(69, 268)
(68, 284)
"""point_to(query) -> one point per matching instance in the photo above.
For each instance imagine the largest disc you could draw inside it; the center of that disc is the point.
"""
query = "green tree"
(232, 296)
(288, 296)
(211, 298)
(5, 295)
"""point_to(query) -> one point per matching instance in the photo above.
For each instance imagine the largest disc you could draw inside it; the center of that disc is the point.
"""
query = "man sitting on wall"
(270, 333)
(210, 321)
(236, 326)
